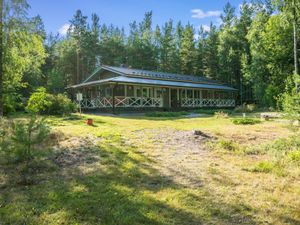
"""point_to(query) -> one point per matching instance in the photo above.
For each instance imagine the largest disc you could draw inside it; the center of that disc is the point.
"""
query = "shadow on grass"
(122, 187)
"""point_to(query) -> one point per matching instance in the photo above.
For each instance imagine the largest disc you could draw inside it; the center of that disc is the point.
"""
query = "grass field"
(154, 170)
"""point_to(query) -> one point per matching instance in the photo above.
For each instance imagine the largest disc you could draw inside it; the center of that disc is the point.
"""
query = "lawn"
(154, 170)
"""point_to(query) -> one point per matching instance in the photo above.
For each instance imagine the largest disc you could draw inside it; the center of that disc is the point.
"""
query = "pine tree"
(188, 51)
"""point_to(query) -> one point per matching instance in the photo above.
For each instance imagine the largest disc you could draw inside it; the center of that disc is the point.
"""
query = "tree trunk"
(295, 43)
(1, 58)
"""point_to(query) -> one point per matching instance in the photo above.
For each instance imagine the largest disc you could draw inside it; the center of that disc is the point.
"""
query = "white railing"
(121, 102)
(195, 102)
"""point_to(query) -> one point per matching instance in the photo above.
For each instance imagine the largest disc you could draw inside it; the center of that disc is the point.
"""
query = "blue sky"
(57, 13)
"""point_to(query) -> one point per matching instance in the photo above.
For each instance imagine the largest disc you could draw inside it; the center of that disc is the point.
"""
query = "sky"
(56, 14)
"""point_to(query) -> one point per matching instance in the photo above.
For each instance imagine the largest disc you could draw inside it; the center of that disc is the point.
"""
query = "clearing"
(142, 170)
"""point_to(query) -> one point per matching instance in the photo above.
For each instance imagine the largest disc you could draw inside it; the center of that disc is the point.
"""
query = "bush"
(228, 145)
(221, 114)
(294, 156)
(264, 167)
(212, 111)
(61, 105)
(42, 102)
(166, 114)
(245, 121)
(246, 108)
(26, 135)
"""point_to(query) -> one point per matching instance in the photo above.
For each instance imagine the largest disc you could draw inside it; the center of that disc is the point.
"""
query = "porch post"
(113, 97)
(125, 90)
(170, 105)
(193, 98)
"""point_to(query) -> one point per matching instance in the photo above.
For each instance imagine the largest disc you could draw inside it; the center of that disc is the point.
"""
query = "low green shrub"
(246, 108)
(166, 114)
(212, 111)
(221, 114)
(42, 102)
(294, 156)
(228, 145)
(224, 145)
(264, 167)
(245, 121)
(61, 105)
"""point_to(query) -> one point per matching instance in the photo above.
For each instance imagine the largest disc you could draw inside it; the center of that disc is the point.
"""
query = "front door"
(174, 98)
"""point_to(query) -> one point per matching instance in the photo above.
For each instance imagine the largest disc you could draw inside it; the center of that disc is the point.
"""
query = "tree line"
(251, 50)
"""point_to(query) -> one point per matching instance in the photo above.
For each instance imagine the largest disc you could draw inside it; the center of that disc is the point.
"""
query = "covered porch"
(124, 95)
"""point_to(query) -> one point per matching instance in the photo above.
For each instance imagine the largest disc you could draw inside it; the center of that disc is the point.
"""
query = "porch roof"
(152, 82)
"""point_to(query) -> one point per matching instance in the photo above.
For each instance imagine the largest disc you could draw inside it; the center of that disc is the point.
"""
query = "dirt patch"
(179, 154)
(76, 151)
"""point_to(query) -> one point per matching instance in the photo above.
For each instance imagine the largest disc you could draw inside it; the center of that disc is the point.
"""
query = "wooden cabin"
(120, 87)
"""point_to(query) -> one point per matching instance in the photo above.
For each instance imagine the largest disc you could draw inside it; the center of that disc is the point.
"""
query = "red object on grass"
(89, 122)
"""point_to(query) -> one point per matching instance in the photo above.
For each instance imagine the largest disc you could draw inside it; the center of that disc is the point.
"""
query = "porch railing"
(121, 102)
(195, 102)
(152, 102)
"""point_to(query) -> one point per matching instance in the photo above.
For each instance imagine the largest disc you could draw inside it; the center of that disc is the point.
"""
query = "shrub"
(212, 111)
(61, 105)
(166, 114)
(228, 145)
(294, 156)
(221, 114)
(245, 121)
(26, 135)
(39, 101)
(42, 102)
(251, 107)
(246, 108)
(264, 167)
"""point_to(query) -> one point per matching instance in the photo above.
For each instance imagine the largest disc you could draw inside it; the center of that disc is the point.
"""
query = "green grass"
(166, 114)
(118, 179)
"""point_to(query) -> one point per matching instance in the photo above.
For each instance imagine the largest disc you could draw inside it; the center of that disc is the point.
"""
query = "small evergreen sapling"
(27, 135)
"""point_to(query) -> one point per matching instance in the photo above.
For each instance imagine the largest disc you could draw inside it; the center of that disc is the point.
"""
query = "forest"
(251, 49)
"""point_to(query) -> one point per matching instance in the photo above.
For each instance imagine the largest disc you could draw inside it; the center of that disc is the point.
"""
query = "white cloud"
(200, 14)
(206, 28)
(64, 29)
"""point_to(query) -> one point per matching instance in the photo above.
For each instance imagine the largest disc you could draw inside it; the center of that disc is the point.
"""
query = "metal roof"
(134, 80)
(159, 75)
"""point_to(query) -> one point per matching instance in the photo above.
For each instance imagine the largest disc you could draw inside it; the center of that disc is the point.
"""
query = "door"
(174, 98)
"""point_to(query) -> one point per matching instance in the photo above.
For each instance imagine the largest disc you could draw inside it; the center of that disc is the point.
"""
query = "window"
(210, 94)
(183, 93)
(119, 90)
(146, 92)
(189, 93)
(158, 93)
(197, 94)
(137, 91)
(108, 92)
(130, 91)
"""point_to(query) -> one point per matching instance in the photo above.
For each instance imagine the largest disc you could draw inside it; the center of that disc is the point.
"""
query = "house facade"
(119, 87)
